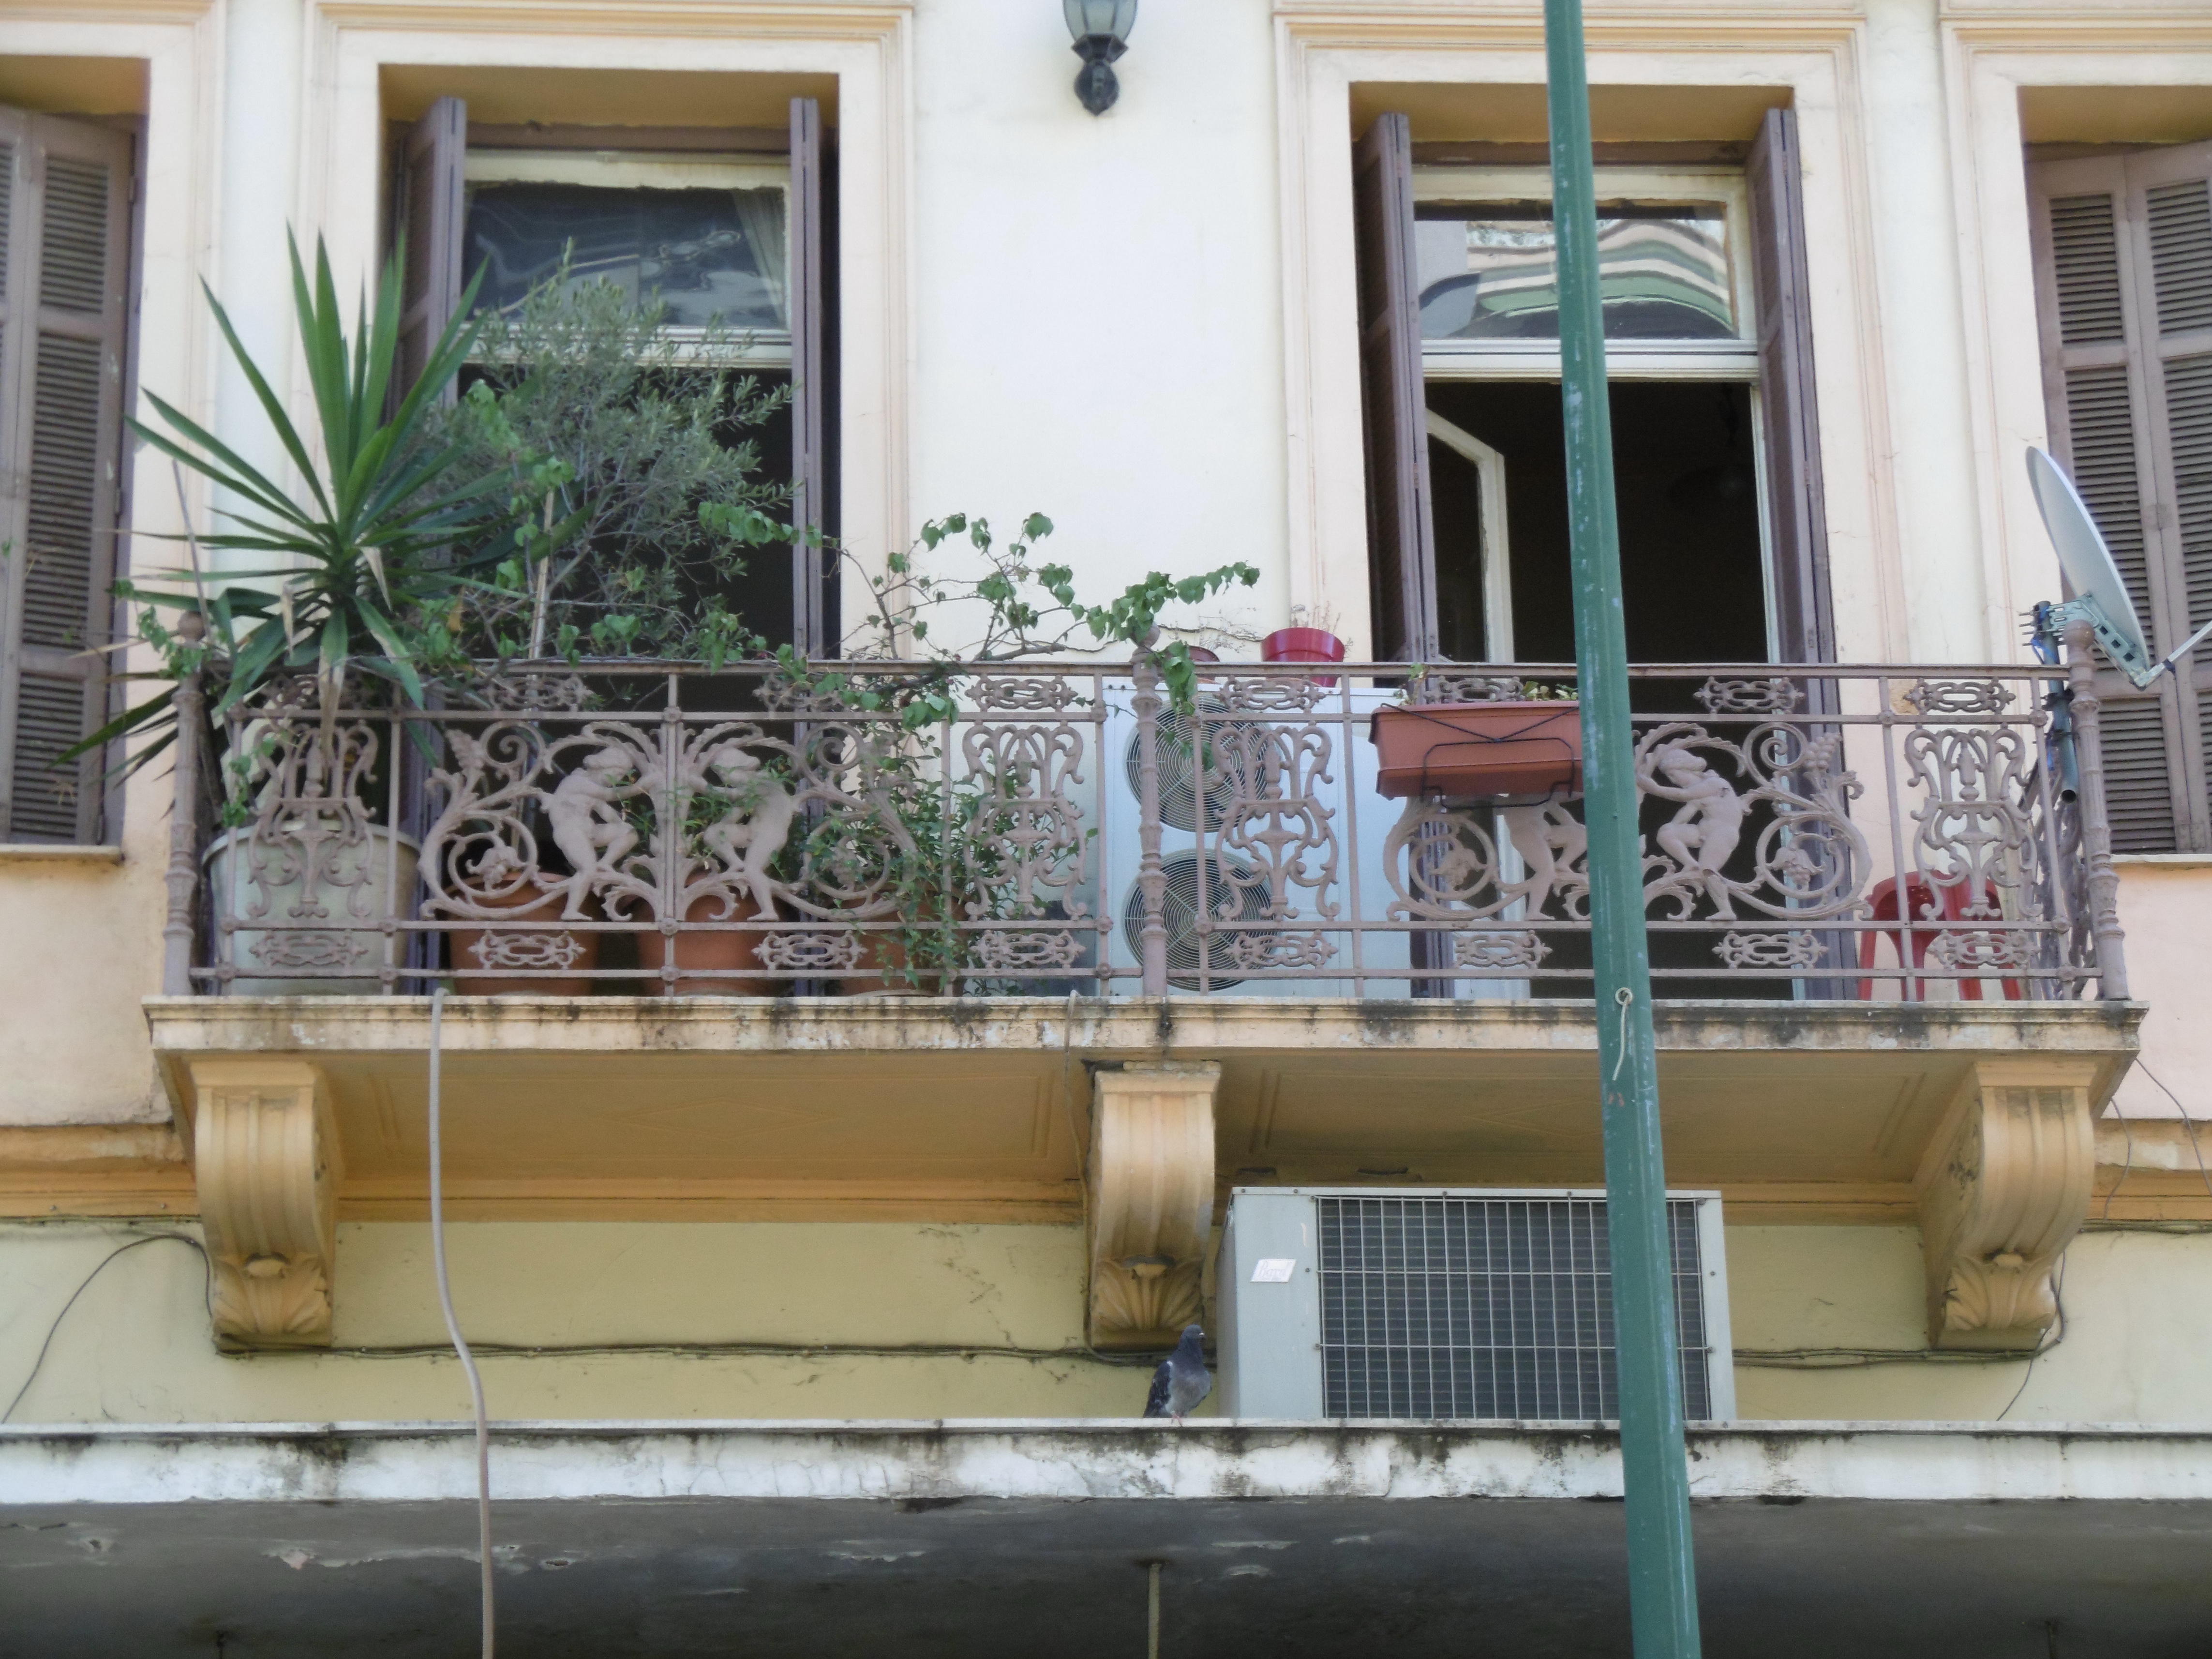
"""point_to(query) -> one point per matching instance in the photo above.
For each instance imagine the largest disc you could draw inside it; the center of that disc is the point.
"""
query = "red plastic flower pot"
(1480, 751)
(1303, 645)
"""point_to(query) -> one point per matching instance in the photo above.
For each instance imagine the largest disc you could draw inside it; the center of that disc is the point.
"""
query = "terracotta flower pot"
(886, 956)
(733, 954)
(477, 954)
(1480, 751)
(1303, 645)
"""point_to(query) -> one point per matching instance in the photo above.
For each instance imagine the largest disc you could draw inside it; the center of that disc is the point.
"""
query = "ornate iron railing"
(1877, 832)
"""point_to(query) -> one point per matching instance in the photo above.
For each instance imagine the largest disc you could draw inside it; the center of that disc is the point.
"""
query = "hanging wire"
(2188, 1122)
(453, 1323)
(84, 1284)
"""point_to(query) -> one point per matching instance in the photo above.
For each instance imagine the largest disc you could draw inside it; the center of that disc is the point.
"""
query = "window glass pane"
(712, 255)
(1491, 273)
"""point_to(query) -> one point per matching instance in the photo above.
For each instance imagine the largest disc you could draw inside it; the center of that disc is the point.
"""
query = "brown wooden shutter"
(1789, 415)
(430, 204)
(814, 290)
(63, 269)
(1401, 549)
(2123, 280)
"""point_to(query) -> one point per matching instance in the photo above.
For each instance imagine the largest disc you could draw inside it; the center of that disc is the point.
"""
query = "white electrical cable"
(453, 1324)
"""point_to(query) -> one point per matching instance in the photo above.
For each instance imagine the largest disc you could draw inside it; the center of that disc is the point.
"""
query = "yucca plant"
(365, 566)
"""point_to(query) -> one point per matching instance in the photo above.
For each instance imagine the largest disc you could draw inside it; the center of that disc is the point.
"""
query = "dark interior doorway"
(1684, 474)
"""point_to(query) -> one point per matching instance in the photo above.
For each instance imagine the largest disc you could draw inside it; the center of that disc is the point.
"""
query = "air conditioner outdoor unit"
(1436, 1304)
(1360, 817)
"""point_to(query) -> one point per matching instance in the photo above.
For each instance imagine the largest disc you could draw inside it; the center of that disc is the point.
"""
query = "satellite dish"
(2101, 598)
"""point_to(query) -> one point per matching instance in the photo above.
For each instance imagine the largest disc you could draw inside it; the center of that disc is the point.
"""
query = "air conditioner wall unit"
(1450, 1304)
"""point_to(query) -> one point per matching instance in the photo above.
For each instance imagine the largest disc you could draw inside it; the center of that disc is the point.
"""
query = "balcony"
(1028, 941)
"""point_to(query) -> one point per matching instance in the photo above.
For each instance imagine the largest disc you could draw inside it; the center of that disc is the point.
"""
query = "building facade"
(821, 1187)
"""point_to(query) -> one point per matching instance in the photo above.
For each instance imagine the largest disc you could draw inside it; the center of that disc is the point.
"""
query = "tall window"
(1724, 555)
(2123, 281)
(743, 237)
(64, 264)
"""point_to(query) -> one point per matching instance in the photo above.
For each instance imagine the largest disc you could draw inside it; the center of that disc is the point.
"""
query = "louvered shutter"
(2123, 271)
(429, 206)
(813, 241)
(63, 268)
(1401, 549)
(1797, 505)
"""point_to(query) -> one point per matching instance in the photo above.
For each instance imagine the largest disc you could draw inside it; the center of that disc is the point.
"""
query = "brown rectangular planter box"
(1480, 751)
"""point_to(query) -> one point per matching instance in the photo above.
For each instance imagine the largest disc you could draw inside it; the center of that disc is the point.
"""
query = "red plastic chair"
(1927, 902)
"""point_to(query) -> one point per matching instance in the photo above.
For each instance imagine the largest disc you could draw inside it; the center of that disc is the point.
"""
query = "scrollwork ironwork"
(1791, 950)
(1775, 694)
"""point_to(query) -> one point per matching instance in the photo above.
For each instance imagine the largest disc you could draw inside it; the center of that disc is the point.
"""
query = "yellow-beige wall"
(136, 1348)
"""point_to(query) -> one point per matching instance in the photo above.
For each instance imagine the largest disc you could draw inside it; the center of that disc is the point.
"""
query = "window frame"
(768, 349)
(1638, 187)
(1735, 361)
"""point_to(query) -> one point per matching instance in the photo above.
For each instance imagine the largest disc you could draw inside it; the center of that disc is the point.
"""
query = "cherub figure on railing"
(748, 835)
(1702, 835)
(588, 825)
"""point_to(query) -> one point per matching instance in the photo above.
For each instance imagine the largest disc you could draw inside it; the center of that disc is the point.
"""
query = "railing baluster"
(1151, 875)
(183, 875)
(2096, 828)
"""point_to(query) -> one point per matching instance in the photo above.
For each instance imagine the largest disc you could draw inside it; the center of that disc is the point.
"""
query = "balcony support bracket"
(264, 1151)
(2003, 1189)
(1151, 1200)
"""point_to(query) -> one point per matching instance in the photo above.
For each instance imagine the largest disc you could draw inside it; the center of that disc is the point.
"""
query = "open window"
(731, 229)
(2124, 283)
(1716, 446)
(65, 281)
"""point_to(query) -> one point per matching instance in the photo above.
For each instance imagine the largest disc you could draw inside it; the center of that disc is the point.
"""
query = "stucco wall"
(136, 1347)
(2165, 910)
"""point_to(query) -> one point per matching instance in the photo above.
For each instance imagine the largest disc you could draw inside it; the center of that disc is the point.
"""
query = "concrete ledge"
(1084, 1459)
(1002, 1540)
(1173, 1026)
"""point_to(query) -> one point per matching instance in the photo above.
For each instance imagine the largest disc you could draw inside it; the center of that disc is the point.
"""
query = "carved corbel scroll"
(1151, 1201)
(2003, 1188)
(265, 1154)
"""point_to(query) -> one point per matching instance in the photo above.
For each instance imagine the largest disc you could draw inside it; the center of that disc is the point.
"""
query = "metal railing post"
(2104, 881)
(183, 875)
(1662, 1577)
(1151, 875)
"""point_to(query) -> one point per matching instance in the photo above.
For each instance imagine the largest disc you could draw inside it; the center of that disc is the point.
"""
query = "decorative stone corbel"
(1151, 1201)
(265, 1155)
(2004, 1188)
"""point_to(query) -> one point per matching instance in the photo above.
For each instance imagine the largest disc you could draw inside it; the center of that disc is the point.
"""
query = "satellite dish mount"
(2101, 597)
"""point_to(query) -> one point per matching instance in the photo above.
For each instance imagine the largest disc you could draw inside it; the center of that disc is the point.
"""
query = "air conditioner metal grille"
(1486, 1307)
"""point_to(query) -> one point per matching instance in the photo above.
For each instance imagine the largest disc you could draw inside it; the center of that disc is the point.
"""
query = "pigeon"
(1182, 1379)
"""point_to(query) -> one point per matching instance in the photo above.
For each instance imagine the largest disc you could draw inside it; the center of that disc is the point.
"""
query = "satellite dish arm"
(2177, 653)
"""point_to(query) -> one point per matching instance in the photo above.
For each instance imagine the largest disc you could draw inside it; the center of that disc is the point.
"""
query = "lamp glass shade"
(1112, 18)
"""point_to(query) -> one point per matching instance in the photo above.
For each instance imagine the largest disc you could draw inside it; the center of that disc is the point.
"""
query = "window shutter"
(1804, 611)
(813, 243)
(64, 265)
(429, 201)
(2124, 275)
(1401, 549)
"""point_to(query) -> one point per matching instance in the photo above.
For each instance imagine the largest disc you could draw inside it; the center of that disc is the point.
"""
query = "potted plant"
(356, 574)
(916, 851)
(500, 889)
(1304, 641)
(1524, 749)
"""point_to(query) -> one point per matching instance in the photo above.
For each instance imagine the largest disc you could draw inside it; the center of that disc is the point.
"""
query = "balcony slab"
(976, 1109)
(1827, 1539)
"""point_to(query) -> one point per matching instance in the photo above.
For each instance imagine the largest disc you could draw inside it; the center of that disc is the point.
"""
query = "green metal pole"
(1662, 1583)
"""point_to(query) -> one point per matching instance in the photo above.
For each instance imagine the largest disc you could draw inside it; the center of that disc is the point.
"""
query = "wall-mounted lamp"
(1100, 28)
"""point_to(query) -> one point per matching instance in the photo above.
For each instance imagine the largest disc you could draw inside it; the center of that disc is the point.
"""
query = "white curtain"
(760, 215)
